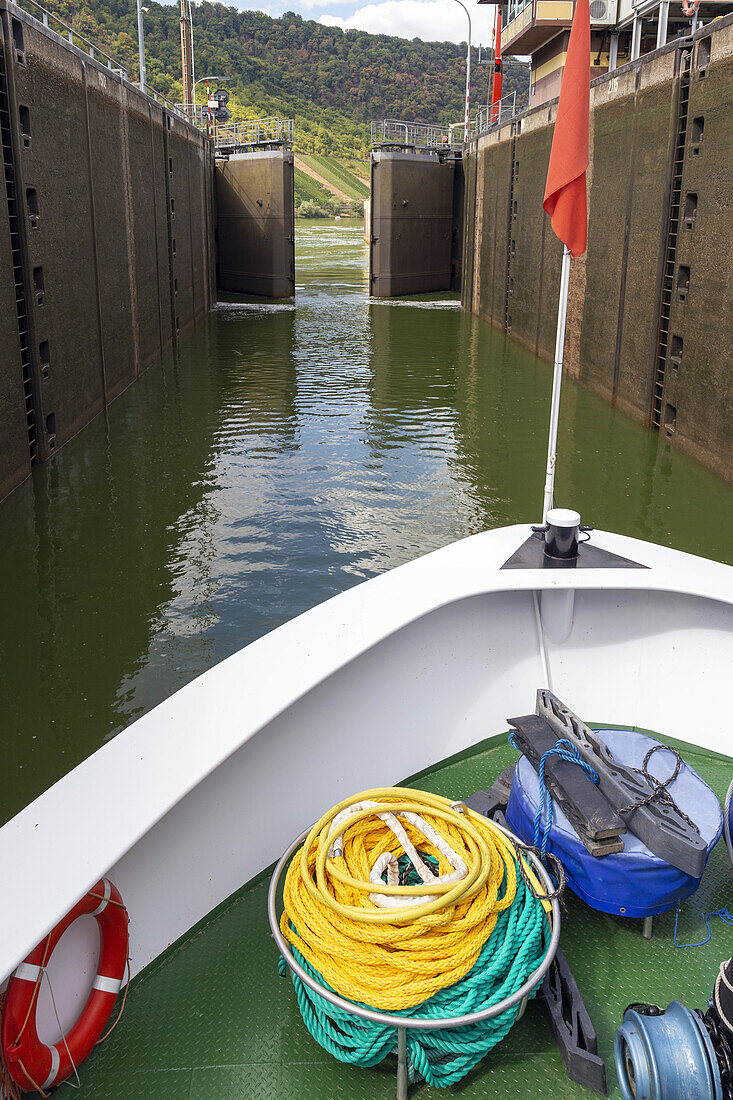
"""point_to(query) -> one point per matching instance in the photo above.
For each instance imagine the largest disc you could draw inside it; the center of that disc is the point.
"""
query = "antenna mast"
(187, 60)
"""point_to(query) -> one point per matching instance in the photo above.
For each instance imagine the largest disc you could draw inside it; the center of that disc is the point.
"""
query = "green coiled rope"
(441, 1057)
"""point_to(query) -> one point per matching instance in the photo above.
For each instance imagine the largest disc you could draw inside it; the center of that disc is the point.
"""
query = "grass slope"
(335, 172)
(358, 168)
(312, 200)
(308, 189)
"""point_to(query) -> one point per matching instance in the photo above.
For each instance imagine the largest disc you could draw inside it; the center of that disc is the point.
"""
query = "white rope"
(63, 1036)
(388, 861)
(541, 640)
(723, 977)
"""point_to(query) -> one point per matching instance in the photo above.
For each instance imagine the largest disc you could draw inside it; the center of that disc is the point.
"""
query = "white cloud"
(309, 5)
(430, 20)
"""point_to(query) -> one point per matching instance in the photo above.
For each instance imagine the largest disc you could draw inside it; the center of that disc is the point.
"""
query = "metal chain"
(658, 788)
(558, 870)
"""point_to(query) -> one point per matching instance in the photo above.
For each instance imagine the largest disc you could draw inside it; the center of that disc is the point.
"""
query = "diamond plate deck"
(211, 1018)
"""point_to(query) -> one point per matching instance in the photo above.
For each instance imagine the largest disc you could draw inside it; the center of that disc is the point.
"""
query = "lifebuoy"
(689, 7)
(32, 1063)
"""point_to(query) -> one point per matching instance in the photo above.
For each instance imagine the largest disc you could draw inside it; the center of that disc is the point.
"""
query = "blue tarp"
(635, 882)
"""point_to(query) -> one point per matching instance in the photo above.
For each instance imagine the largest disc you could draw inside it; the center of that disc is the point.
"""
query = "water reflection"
(287, 453)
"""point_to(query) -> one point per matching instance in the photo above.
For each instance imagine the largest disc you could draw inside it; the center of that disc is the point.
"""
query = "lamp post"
(219, 78)
(200, 80)
(468, 75)
(141, 44)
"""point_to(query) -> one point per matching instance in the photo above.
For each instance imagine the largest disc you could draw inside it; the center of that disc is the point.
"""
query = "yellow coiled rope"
(395, 958)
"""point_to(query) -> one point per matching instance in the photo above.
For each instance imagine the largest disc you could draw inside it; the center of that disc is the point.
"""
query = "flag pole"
(566, 199)
(562, 312)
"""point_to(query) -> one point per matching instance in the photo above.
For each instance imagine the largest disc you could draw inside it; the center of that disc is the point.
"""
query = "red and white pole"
(496, 87)
(467, 133)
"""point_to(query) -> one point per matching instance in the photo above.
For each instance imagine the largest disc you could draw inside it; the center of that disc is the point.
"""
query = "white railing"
(418, 135)
(259, 131)
(63, 30)
(198, 113)
(160, 98)
(458, 130)
(490, 118)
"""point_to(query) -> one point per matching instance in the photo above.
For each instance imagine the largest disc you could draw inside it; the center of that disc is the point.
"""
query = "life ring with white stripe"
(689, 7)
(32, 1063)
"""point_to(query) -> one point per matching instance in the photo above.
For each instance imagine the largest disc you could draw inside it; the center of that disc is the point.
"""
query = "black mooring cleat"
(493, 803)
(590, 813)
(572, 1027)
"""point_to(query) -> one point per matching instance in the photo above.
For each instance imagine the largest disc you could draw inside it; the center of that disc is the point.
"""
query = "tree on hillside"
(333, 82)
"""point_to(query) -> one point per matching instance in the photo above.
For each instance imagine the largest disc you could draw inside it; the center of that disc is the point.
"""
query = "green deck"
(211, 1018)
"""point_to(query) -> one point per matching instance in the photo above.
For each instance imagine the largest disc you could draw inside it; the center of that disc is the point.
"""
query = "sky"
(431, 20)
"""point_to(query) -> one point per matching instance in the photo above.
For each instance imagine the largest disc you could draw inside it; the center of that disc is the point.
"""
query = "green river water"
(286, 453)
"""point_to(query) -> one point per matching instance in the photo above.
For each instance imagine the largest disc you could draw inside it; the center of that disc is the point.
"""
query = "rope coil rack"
(400, 901)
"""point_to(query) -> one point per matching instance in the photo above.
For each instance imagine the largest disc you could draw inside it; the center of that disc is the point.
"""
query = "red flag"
(565, 199)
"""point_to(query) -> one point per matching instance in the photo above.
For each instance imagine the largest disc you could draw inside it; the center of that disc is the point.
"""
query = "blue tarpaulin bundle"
(635, 882)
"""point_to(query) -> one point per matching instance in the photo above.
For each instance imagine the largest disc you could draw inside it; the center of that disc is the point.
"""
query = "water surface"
(286, 453)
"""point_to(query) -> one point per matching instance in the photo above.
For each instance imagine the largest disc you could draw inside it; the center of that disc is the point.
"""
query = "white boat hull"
(204, 792)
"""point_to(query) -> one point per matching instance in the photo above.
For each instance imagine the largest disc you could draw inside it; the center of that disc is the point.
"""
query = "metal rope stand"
(402, 1023)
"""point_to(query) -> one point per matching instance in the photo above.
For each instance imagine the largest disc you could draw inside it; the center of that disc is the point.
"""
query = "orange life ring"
(689, 7)
(29, 1061)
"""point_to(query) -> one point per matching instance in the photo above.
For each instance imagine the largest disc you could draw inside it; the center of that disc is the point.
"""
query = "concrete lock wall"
(114, 252)
(411, 245)
(650, 323)
(15, 465)
(698, 384)
(255, 217)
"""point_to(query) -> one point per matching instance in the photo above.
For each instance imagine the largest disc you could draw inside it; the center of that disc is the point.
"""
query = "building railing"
(515, 9)
(507, 110)
(417, 135)
(259, 131)
(81, 42)
(200, 111)
(519, 15)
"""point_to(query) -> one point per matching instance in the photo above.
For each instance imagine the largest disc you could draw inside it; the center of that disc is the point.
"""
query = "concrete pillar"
(613, 52)
(662, 25)
(412, 223)
(255, 223)
(636, 37)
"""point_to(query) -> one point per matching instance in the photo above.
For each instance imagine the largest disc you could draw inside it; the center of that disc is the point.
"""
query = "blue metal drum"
(666, 1057)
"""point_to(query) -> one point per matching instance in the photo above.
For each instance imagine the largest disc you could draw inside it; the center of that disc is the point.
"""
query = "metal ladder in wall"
(509, 235)
(670, 248)
(14, 214)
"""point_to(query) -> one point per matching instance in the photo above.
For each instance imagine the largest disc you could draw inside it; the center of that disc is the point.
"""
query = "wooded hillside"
(332, 82)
